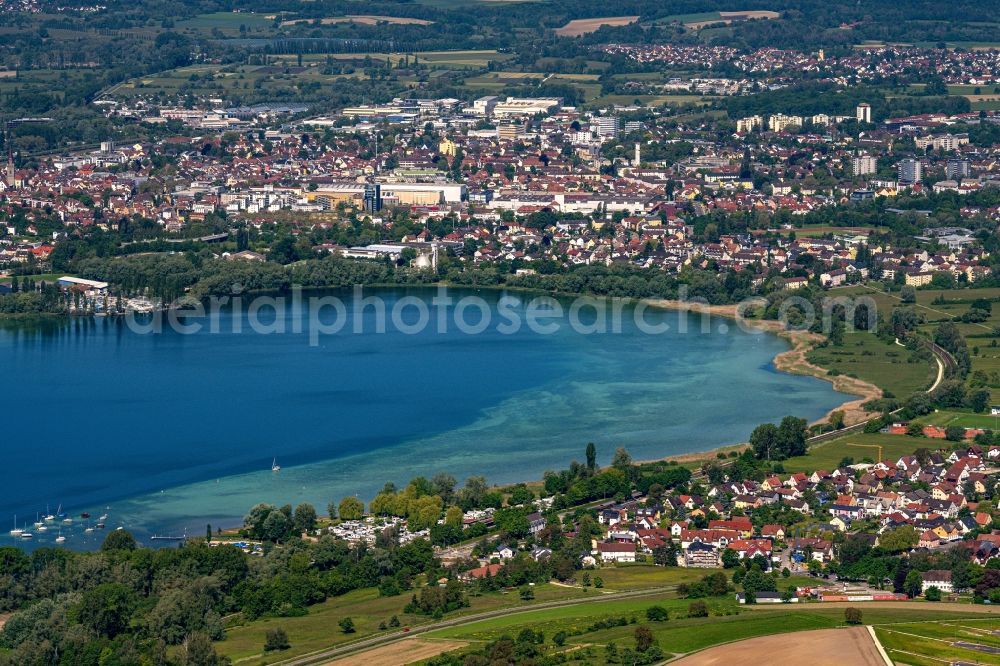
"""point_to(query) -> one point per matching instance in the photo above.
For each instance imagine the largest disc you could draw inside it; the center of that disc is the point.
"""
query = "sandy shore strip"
(792, 361)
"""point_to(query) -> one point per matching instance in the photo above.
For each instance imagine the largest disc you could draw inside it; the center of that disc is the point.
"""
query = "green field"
(932, 643)
(654, 100)
(887, 365)
(680, 634)
(319, 629)
(828, 455)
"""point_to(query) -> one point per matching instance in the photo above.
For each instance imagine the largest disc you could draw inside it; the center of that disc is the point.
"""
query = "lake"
(168, 431)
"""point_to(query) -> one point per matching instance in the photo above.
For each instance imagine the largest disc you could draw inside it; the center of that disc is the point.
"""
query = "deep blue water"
(174, 431)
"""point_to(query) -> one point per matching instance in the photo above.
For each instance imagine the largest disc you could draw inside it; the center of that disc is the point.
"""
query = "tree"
(730, 558)
(913, 584)
(698, 609)
(331, 510)
(351, 508)
(792, 436)
(276, 639)
(453, 517)
(763, 440)
(852, 615)
(119, 540)
(643, 639)
(591, 456)
(305, 517)
(908, 294)
(657, 614)
(903, 321)
(197, 650)
(900, 539)
(107, 609)
(932, 594)
(347, 625)
(622, 460)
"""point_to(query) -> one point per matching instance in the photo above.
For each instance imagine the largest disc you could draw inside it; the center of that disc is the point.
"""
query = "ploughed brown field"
(578, 27)
(823, 647)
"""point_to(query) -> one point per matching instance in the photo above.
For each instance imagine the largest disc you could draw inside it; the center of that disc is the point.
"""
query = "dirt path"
(397, 654)
(792, 361)
(823, 647)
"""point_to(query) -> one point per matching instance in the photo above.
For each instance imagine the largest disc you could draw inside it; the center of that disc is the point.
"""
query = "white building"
(616, 552)
(863, 165)
(864, 113)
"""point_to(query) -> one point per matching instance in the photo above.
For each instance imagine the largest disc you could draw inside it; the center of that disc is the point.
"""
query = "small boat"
(67, 521)
(103, 517)
(275, 467)
(27, 535)
(60, 538)
(85, 515)
(16, 532)
(100, 526)
(89, 530)
(43, 528)
(49, 518)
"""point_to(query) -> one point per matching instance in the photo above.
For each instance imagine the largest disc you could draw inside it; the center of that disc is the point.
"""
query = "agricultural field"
(318, 629)
(969, 640)
(680, 634)
(361, 19)
(938, 305)
(655, 100)
(229, 22)
(697, 21)
(578, 27)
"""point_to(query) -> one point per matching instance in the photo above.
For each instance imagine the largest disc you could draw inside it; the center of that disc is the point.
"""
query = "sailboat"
(275, 467)
(60, 538)
(49, 518)
(16, 532)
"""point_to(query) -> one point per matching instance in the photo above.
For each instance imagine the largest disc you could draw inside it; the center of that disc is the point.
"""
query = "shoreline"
(792, 361)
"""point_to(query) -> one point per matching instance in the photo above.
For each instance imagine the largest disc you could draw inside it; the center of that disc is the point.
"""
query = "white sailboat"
(16, 532)
(60, 538)
(49, 518)
(275, 467)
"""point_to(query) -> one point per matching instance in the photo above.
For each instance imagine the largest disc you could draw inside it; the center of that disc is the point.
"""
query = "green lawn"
(829, 454)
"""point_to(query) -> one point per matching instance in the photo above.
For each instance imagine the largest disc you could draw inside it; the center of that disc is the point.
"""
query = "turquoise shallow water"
(167, 432)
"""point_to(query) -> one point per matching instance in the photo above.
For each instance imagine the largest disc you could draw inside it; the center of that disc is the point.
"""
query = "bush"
(276, 640)
(932, 594)
(852, 615)
(347, 625)
(657, 614)
(698, 609)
